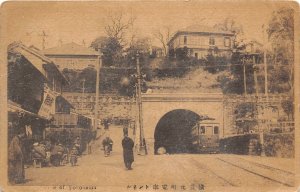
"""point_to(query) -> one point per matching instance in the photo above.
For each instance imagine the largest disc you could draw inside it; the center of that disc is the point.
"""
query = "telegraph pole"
(43, 35)
(265, 64)
(245, 80)
(142, 144)
(82, 95)
(98, 67)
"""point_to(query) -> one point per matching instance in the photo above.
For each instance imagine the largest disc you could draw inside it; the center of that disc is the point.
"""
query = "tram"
(205, 136)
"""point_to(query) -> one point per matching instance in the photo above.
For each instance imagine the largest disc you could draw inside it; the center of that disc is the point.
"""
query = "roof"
(204, 29)
(70, 49)
(200, 29)
(37, 59)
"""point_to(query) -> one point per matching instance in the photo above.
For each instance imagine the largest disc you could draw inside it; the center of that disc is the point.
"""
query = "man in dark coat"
(128, 144)
(16, 159)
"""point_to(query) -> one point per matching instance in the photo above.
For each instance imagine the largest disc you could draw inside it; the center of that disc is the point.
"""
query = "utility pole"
(245, 79)
(98, 67)
(142, 143)
(255, 76)
(43, 35)
(265, 63)
(82, 96)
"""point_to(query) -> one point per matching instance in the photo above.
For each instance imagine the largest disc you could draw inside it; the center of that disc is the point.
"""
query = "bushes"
(238, 144)
(215, 64)
(275, 145)
(279, 145)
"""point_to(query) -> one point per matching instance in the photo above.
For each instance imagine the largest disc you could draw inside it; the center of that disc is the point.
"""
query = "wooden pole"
(265, 64)
(142, 148)
(255, 76)
(98, 67)
(245, 80)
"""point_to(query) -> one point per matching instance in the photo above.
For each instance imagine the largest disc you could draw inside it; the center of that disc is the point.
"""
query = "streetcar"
(205, 136)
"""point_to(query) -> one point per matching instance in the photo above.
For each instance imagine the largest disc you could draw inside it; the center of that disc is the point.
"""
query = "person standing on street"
(77, 144)
(16, 159)
(128, 144)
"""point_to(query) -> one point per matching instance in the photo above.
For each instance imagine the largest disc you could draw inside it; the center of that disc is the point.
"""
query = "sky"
(85, 21)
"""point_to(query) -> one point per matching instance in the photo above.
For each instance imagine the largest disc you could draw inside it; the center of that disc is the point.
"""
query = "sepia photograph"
(144, 96)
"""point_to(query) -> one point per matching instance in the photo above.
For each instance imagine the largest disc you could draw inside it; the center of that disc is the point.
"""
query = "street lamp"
(142, 142)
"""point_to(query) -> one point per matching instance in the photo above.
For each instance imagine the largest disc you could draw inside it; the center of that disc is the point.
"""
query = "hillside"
(197, 80)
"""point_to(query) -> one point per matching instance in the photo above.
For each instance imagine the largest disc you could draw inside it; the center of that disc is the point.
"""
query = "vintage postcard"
(134, 96)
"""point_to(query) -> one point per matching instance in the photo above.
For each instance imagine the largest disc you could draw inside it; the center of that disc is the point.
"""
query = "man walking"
(128, 144)
(16, 159)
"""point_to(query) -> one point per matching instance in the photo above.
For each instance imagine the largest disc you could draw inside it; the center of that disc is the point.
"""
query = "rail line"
(257, 174)
(201, 166)
(267, 167)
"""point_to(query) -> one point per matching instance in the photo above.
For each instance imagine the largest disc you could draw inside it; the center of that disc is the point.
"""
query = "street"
(210, 170)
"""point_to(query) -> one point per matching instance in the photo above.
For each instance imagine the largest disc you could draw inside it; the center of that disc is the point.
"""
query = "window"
(209, 130)
(185, 40)
(196, 55)
(202, 130)
(216, 130)
(227, 42)
(211, 41)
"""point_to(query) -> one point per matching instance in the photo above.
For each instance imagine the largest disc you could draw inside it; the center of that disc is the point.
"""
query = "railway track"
(238, 164)
(204, 167)
(266, 166)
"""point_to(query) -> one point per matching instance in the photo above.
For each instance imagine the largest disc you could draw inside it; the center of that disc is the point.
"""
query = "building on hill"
(72, 56)
(201, 41)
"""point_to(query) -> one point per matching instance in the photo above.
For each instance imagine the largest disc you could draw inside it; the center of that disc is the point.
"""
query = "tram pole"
(142, 142)
(98, 67)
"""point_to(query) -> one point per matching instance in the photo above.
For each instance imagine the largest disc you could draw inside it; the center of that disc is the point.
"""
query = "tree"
(164, 36)
(111, 49)
(99, 42)
(118, 26)
(288, 108)
(141, 46)
(281, 35)
(245, 116)
(230, 25)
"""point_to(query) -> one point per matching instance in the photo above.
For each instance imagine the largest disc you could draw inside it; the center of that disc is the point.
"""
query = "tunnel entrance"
(173, 131)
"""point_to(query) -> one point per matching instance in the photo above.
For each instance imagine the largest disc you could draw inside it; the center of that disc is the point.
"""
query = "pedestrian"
(77, 144)
(73, 156)
(16, 159)
(107, 144)
(128, 144)
(57, 154)
(106, 124)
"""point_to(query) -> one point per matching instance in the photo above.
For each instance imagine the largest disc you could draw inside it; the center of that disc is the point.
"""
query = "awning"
(34, 60)
(14, 108)
(61, 98)
(40, 62)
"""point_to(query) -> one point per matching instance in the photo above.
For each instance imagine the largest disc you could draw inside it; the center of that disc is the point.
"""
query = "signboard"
(48, 105)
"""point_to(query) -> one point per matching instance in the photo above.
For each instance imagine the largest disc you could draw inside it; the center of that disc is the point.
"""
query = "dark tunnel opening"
(173, 131)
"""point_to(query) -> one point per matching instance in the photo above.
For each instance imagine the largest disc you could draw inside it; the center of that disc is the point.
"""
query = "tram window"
(209, 130)
(216, 130)
(202, 130)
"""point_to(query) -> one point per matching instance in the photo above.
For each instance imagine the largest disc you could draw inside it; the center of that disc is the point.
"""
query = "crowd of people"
(47, 153)
(43, 153)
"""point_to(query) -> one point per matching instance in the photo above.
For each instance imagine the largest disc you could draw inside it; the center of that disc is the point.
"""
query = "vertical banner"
(48, 105)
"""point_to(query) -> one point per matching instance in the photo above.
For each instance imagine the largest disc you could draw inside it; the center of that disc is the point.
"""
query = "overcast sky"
(70, 21)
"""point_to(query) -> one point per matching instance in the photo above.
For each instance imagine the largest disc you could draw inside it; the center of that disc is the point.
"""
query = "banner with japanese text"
(48, 105)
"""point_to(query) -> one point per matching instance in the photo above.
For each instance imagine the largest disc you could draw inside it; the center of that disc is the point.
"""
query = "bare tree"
(164, 36)
(118, 26)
